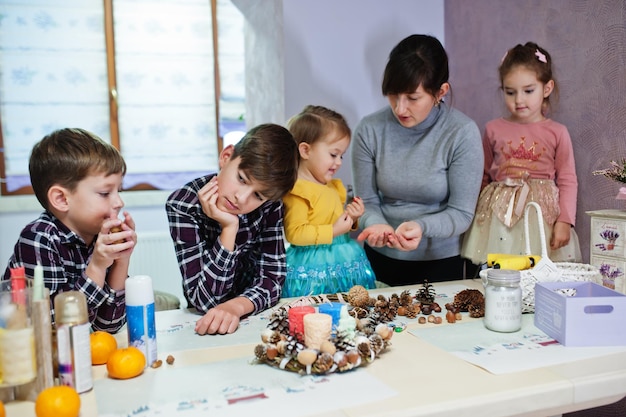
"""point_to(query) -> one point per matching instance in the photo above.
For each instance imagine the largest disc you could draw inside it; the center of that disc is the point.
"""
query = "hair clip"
(540, 57)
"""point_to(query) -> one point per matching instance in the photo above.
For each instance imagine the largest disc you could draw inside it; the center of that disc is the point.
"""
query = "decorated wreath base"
(363, 330)
(339, 354)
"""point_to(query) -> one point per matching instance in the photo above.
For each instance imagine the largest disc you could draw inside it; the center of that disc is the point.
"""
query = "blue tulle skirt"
(327, 269)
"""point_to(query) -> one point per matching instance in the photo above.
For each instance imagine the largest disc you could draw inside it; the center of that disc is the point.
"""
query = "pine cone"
(377, 343)
(343, 343)
(477, 311)
(468, 298)
(385, 309)
(412, 310)
(279, 321)
(292, 347)
(364, 346)
(394, 301)
(406, 299)
(260, 351)
(426, 294)
(323, 363)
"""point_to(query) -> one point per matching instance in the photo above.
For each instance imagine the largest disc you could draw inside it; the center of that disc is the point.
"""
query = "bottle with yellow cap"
(73, 343)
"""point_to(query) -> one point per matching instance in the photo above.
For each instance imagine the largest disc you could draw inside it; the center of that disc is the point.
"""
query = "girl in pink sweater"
(528, 157)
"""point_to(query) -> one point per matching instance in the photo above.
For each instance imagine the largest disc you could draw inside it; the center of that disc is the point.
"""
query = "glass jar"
(503, 300)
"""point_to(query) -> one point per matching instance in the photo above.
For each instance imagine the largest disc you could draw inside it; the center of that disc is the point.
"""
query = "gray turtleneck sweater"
(430, 173)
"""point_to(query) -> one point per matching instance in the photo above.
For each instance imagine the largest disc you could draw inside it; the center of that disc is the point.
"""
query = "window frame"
(109, 33)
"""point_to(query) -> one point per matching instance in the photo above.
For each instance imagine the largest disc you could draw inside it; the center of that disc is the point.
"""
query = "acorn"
(450, 317)
(307, 356)
(384, 331)
(271, 351)
(328, 347)
(340, 358)
(353, 357)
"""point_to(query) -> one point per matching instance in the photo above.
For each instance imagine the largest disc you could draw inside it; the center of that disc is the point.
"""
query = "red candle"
(296, 320)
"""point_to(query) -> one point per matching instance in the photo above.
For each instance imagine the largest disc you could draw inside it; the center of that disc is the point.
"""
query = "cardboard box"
(594, 316)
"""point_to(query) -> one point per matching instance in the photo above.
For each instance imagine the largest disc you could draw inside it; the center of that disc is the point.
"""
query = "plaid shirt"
(211, 273)
(64, 257)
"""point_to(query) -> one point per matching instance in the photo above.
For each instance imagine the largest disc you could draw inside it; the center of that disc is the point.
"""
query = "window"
(138, 73)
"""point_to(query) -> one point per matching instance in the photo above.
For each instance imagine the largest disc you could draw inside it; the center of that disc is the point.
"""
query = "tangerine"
(58, 401)
(126, 363)
(102, 345)
(3, 412)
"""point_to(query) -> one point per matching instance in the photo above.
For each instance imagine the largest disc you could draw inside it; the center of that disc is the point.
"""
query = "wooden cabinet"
(608, 246)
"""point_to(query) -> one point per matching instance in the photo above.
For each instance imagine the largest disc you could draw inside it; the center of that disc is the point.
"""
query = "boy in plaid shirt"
(227, 229)
(77, 178)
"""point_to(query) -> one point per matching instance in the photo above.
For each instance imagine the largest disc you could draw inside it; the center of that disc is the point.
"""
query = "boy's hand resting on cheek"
(208, 196)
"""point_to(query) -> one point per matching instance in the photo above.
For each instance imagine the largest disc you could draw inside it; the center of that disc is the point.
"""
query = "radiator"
(154, 255)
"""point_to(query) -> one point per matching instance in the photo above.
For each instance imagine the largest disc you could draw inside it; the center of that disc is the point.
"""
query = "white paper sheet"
(235, 388)
(501, 353)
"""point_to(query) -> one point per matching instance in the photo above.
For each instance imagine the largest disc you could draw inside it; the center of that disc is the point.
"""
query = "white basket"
(556, 271)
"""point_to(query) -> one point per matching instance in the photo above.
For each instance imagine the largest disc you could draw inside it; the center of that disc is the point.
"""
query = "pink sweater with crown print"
(541, 150)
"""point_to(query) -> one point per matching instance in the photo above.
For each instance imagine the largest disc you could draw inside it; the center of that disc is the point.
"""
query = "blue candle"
(332, 309)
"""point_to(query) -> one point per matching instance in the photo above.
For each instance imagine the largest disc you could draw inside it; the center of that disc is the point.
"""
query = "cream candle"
(317, 328)
(296, 320)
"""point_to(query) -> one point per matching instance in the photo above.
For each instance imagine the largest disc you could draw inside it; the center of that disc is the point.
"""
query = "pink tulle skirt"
(498, 225)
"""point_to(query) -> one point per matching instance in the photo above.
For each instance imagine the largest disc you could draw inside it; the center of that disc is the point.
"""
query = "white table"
(430, 381)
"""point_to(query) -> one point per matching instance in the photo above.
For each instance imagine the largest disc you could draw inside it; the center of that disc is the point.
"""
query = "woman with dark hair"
(417, 166)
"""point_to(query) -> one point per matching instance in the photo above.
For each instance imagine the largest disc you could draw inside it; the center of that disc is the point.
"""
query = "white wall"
(336, 51)
(333, 54)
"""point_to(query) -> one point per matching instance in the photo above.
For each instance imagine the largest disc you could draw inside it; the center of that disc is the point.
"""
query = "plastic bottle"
(140, 316)
(503, 300)
(73, 342)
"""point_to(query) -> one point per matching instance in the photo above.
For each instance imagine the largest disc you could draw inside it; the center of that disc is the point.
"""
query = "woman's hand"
(407, 237)
(376, 235)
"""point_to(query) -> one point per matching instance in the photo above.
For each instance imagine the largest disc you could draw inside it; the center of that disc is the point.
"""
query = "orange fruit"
(58, 401)
(102, 345)
(3, 412)
(126, 363)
